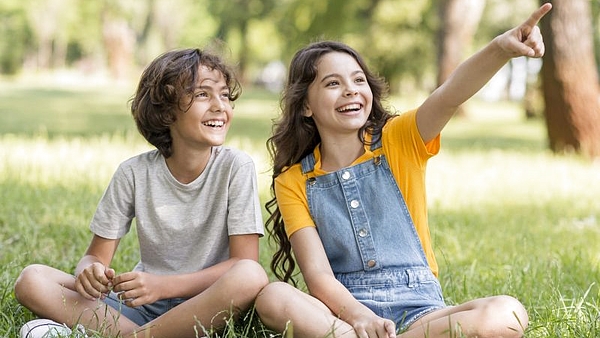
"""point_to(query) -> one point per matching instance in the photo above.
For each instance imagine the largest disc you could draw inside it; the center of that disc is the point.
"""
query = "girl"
(197, 214)
(349, 200)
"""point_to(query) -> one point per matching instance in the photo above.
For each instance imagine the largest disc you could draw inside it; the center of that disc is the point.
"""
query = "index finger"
(536, 16)
(124, 277)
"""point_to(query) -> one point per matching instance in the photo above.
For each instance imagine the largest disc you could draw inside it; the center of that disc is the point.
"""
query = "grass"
(507, 216)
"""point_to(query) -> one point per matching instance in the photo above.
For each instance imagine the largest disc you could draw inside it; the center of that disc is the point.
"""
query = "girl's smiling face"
(340, 98)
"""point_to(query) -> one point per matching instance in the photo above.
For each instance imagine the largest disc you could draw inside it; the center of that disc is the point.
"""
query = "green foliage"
(506, 216)
(16, 38)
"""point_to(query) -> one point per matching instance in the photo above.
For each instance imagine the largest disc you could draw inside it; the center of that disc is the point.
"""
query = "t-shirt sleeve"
(115, 211)
(402, 134)
(244, 211)
(291, 200)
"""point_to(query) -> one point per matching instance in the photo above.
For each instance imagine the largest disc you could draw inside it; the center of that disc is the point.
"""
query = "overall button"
(371, 263)
(346, 175)
(354, 204)
(362, 232)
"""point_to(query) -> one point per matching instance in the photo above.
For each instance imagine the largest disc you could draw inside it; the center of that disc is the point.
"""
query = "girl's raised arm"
(475, 72)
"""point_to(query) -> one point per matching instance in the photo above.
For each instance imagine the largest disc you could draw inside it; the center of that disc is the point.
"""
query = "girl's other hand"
(374, 326)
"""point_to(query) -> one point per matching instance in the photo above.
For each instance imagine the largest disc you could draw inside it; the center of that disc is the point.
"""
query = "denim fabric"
(145, 313)
(402, 295)
(370, 240)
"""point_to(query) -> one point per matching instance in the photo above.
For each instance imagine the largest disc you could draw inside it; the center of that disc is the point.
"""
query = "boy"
(197, 214)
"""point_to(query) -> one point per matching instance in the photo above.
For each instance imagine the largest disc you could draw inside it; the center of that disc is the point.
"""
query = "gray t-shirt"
(182, 228)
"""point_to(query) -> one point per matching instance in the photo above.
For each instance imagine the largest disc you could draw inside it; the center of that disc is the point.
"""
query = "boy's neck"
(187, 167)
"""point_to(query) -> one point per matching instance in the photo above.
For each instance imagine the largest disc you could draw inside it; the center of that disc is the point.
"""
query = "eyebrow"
(210, 87)
(335, 75)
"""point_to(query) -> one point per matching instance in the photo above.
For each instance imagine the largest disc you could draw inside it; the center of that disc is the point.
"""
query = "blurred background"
(413, 44)
(513, 196)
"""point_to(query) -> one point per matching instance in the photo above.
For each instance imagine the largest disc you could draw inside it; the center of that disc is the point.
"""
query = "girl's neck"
(339, 154)
(186, 167)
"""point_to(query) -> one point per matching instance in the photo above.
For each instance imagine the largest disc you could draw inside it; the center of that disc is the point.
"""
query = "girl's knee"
(507, 314)
(273, 295)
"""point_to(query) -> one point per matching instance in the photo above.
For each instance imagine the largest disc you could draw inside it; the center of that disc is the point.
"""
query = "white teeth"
(354, 106)
(214, 123)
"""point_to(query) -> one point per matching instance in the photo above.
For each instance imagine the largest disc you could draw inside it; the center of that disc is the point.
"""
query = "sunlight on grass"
(506, 215)
(507, 178)
(40, 160)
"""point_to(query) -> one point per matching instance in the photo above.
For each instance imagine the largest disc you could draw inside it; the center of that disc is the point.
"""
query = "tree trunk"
(119, 42)
(459, 20)
(570, 80)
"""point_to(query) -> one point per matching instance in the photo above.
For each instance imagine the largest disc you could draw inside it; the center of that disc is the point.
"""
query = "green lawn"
(506, 215)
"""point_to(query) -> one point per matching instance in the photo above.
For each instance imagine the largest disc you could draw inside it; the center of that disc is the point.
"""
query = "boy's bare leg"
(50, 293)
(235, 290)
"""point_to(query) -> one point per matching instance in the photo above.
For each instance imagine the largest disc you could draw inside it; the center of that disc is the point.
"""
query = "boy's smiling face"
(206, 122)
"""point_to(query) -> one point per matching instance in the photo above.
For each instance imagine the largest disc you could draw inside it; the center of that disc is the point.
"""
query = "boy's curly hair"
(167, 86)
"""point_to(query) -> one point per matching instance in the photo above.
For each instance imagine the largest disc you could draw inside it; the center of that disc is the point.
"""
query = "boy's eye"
(200, 94)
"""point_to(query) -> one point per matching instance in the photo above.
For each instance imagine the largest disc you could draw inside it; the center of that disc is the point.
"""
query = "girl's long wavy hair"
(295, 136)
(167, 86)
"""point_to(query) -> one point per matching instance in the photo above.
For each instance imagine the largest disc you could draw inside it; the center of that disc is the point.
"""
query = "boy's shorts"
(145, 313)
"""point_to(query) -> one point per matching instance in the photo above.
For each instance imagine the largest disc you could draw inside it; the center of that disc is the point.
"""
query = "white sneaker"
(46, 328)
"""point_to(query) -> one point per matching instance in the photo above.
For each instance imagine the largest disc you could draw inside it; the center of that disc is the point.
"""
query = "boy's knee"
(27, 281)
(250, 273)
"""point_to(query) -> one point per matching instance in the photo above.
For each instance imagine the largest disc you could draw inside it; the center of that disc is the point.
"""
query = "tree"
(459, 20)
(235, 17)
(570, 79)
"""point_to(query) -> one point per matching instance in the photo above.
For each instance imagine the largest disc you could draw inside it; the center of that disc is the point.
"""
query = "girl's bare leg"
(280, 304)
(498, 316)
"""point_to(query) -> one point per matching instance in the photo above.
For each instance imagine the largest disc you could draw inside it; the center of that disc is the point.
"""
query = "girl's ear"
(307, 112)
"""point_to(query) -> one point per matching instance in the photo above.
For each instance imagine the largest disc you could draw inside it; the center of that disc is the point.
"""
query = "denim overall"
(370, 240)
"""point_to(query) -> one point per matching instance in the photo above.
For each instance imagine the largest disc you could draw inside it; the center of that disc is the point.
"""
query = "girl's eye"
(332, 83)
(226, 95)
(201, 94)
(360, 80)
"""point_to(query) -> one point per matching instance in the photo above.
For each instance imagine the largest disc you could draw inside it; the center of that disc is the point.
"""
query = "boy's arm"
(475, 72)
(139, 288)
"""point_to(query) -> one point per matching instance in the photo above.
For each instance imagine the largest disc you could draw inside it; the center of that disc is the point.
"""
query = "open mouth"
(350, 108)
(214, 123)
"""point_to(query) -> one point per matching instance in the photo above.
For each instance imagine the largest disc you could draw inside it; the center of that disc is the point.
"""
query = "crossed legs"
(280, 305)
(50, 293)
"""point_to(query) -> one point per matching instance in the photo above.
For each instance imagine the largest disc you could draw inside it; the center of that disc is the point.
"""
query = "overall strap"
(377, 144)
(308, 163)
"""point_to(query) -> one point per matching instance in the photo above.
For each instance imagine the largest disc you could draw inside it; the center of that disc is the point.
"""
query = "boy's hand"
(138, 288)
(95, 281)
(525, 39)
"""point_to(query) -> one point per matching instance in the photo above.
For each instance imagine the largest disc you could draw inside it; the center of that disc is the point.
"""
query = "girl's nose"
(351, 92)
